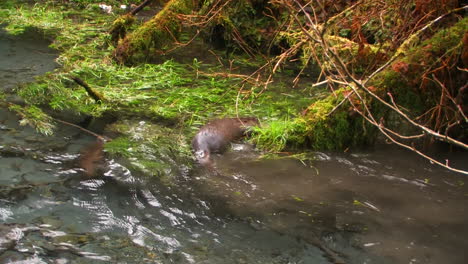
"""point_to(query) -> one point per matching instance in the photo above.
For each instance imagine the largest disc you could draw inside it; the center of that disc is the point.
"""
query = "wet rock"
(15, 193)
(5, 128)
(75, 239)
(9, 236)
(9, 152)
(12, 257)
(50, 222)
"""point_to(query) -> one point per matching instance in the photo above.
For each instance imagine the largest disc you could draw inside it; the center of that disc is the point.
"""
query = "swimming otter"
(215, 136)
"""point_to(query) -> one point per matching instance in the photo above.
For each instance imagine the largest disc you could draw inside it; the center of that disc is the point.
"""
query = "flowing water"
(23, 57)
(381, 206)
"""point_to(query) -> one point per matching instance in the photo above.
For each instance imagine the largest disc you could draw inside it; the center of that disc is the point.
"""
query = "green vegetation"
(35, 117)
(181, 97)
(277, 135)
(413, 78)
(330, 128)
(168, 90)
(156, 34)
(150, 148)
(322, 126)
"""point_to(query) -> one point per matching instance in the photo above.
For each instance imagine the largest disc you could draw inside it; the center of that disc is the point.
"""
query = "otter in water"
(215, 136)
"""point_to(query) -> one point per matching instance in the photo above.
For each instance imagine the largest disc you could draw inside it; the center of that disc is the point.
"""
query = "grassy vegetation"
(278, 135)
(35, 117)
(150, 148)
(169, 91)
(174, 98)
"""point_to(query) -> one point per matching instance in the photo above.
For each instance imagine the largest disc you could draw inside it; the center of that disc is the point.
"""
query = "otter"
(215, 136)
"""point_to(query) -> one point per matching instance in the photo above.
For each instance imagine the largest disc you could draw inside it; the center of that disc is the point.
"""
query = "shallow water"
(382, 206)
(119, 216)
(388, 203)
(23, 57)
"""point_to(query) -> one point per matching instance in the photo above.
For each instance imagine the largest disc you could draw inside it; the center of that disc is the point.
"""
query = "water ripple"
(5, 213)
(92, 185)
(175, 221)
(119, 172)
(150, 198)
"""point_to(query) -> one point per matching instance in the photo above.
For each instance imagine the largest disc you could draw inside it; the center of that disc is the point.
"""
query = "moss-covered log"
(120, 27)
(156, 34)
(123, 23)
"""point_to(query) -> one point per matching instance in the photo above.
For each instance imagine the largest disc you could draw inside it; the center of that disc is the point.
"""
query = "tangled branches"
(363, 96)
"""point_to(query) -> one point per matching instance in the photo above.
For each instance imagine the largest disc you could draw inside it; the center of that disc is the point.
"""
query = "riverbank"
(180, 97)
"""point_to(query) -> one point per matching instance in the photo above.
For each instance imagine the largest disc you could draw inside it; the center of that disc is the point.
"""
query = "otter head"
(203, 156)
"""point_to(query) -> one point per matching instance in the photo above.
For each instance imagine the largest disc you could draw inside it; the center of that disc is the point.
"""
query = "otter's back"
(218, 133)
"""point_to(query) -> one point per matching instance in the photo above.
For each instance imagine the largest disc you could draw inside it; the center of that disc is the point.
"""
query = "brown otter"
(215, 136)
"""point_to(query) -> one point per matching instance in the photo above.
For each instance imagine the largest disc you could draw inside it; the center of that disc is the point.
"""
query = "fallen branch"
(140, 7)
(91, 92)
(370, 118)
(102, 138)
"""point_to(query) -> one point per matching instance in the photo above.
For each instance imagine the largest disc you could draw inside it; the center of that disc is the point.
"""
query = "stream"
(380, 206)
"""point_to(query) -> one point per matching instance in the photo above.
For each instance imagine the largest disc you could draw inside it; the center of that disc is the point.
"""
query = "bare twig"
(369, 117)
(444, 90)
(102, 138)
(409, 40)
(340, 103)
(427, 130)
(349, 80)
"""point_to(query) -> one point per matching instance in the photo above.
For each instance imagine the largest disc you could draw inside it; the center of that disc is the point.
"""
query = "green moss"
(441, 42)
(151, 149)
(337, 130)
(319, 129)
(120, 146)
(121, 26)
(35, 117)
(156, 34)
(409, 85)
